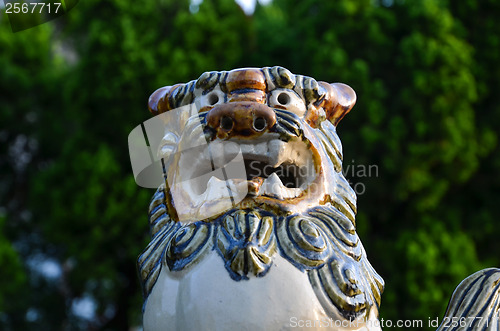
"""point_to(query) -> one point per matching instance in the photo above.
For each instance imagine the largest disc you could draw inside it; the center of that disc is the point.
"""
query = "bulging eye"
(283, 98)
(213, 98)
(288, 100)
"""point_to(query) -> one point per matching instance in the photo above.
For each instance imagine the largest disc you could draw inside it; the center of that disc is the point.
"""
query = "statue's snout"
(241, 119)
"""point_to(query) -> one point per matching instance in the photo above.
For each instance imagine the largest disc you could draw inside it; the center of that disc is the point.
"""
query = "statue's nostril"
(226, 123)
(239, 119)
(259, 123)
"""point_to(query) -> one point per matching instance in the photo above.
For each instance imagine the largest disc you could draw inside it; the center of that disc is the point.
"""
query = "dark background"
(73, 221)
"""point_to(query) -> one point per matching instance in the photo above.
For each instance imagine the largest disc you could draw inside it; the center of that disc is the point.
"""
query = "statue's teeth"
(223, 152)
(217, 189)
(247, 149)
(261, 149)
(273, 186)
(217, 154)
(231, 149)
(238, 189)
(278, 152)
(291, 192)
(256, 151)
(273, 152)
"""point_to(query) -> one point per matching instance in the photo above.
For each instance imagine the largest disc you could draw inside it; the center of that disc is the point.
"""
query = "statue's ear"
(158, 101)
(339, 100)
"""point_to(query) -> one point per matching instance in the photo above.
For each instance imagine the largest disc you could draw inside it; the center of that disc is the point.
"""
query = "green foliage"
(11, 272)
(93, 213)
(425, 73)
(29, 70)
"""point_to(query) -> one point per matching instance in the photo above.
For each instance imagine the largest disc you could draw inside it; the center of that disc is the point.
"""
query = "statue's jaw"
(224, 174)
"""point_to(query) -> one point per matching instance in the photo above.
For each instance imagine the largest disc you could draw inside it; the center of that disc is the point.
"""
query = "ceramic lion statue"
(253, 225)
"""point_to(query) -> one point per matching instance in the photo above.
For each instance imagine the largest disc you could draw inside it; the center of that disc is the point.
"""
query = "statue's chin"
(206, 298)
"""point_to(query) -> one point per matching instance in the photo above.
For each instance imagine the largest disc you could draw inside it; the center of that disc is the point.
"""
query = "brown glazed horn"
(339, 100)
(158, 101)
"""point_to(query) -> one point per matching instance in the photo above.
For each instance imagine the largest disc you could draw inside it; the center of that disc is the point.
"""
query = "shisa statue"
(253, 223)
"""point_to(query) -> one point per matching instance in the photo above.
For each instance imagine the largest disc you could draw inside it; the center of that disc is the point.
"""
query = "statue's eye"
(212, 98)
(287, 99)
(283, 98)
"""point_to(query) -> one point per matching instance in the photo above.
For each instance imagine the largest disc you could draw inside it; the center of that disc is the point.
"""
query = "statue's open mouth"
(284, 172)
(266, 166)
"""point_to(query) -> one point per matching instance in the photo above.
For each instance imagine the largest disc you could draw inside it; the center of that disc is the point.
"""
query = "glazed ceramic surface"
(253, 227)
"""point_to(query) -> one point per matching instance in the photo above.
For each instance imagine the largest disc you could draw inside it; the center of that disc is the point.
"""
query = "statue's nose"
(241, 119)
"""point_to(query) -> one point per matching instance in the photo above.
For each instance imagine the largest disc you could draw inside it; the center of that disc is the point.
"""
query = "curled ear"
(339, 100)
(158, 101)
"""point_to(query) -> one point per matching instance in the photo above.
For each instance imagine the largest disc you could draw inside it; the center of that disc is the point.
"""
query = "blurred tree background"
(73, 221)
